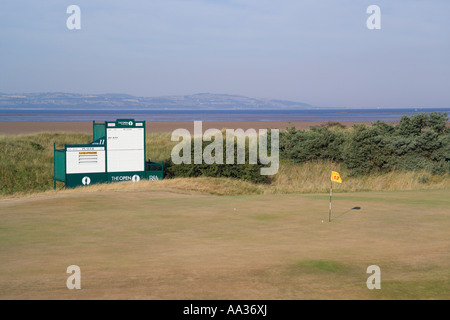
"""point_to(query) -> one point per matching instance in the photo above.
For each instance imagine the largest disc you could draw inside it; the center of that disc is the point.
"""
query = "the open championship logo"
(86, 181)
(135, 178)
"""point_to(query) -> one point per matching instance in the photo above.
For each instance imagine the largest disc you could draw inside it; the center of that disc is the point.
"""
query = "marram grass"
(26, 166)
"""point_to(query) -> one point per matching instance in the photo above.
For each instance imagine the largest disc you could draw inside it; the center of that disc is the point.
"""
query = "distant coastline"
(269, 115)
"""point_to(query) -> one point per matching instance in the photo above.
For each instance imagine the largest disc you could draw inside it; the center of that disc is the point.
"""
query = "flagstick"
(331, 194)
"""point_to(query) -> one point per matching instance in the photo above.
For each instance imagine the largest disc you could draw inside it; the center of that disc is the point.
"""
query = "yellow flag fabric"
(336, 177)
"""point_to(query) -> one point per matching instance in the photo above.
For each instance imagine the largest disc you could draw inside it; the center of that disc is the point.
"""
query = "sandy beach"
(25, 127)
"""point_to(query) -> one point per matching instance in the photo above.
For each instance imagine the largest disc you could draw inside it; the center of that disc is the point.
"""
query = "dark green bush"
(247, 172)
(418, 142)
(316, 143)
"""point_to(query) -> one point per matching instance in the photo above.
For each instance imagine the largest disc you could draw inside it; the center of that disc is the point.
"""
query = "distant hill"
(199, 101)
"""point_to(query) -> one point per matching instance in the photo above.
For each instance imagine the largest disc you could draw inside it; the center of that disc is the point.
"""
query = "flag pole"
(331, 194)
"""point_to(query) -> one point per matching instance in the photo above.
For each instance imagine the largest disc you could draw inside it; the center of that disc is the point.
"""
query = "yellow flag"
(336, 177)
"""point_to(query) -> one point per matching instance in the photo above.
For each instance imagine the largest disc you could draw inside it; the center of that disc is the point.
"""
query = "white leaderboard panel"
(125, 149)
(85, 160)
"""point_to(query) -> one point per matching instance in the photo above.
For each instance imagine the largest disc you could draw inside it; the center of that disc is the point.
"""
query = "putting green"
(167, 245)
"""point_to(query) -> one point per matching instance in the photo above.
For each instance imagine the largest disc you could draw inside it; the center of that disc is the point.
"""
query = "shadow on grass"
(342, 214)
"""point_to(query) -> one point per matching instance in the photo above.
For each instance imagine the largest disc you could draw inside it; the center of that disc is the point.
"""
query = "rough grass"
(26, 166)
(315, 177)
(26, 161)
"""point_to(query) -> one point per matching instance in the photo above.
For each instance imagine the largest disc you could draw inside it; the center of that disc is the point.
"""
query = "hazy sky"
(318, 52)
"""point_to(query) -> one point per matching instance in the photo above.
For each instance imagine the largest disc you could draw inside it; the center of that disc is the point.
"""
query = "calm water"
(340, 115)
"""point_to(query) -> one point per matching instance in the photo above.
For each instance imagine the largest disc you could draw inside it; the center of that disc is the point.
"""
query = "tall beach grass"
(26, 166)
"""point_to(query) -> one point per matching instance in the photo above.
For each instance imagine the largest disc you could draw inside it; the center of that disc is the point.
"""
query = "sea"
(304, 115)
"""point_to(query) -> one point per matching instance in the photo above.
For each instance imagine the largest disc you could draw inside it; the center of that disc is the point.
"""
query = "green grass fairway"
(166, 245)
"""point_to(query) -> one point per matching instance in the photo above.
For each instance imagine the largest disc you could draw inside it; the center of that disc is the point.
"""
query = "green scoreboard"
(116, 154)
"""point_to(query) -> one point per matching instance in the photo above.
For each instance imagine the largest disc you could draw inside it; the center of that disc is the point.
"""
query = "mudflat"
(27, 127)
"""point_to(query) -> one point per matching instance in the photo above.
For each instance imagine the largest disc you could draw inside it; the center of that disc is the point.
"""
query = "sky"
(313, 51)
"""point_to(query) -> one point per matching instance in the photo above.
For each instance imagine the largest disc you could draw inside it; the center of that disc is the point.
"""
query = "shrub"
(247, 172)
(314, 144)
(418, 142)
(330, 124)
